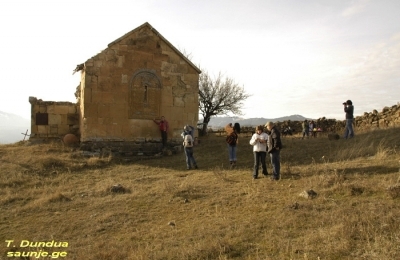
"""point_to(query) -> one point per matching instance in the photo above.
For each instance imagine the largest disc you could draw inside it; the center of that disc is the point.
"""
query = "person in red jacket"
(163, 125)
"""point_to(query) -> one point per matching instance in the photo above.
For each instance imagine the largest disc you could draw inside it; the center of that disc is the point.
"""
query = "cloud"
(356, 7)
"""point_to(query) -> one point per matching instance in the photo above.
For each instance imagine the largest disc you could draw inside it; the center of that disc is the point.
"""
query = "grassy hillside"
(51, 193)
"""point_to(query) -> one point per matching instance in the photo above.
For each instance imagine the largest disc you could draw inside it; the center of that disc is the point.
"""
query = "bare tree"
(219, 96)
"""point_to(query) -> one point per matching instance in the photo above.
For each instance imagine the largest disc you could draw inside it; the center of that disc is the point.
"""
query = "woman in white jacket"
(259, 142)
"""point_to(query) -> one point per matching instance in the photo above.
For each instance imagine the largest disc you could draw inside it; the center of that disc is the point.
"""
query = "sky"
(293, 57)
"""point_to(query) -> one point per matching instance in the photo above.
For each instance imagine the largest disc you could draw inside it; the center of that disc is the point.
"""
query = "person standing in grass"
(259, 142)
(349, 110)
(313, 129)
(305, 128)
(274, 149)
(232, 140)
(188, 147)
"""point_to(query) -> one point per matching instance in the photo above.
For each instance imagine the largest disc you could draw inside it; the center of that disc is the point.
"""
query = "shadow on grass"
(370, 170)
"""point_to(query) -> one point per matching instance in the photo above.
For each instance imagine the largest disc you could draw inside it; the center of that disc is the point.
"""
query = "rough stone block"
(50, 108)
(63, 129)
(42, 109)
(98, 63)
(97, 97)
(191, 117)
(98, 131)
(91, 110)
(53, 129)
(54, 119)
(120, 111)
(104, 110)
(43, 129)
(104, 121)
(87, 96)
(35, 109)
(64, 120)
(121, 97)
(61, 109)
(179, 102)
(73, 109)
(107, 98)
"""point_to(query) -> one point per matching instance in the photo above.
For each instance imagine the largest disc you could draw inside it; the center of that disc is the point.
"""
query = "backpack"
(188, 141)
(231, 139)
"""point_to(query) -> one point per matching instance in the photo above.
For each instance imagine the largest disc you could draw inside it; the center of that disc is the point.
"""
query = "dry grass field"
(50, 193)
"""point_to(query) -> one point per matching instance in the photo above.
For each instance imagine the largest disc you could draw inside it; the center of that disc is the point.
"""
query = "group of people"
(263, 143)
(309, 128)
(188, 140)
(265, 140)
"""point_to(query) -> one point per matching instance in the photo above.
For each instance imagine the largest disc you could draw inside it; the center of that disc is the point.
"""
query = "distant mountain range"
(12, 127)
(218, 122)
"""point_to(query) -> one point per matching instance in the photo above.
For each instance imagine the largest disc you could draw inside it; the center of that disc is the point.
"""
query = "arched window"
(144, 95)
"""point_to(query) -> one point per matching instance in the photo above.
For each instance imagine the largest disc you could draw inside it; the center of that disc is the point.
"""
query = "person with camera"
(349, 110)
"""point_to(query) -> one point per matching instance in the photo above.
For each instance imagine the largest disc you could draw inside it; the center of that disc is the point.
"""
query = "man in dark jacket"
(274, 149)
(349, 110)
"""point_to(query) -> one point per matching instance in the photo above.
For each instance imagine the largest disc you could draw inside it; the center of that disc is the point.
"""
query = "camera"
(344, 103)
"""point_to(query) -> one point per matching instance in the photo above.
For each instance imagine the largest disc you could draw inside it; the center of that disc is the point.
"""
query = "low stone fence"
(388, 117)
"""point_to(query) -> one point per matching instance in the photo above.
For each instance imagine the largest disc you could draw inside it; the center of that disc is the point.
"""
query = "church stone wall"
(138, 78)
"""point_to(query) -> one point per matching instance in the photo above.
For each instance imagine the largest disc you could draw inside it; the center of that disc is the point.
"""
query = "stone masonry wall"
(138, 78)
(51, 119)
(388, 117)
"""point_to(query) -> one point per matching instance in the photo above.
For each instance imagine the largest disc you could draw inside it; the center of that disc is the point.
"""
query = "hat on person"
(348, 102)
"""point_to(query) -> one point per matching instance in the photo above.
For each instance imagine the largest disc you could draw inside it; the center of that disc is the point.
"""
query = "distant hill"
(11, 127)
(217, 122)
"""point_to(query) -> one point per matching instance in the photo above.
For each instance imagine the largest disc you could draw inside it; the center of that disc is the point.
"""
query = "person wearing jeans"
(349, 110)
(274, 147)
(232, 141)
(188, 146)
(232, 155)
(259, 142)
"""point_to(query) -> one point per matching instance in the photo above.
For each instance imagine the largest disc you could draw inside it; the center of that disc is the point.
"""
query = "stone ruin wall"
(388, 117)
(51, 119)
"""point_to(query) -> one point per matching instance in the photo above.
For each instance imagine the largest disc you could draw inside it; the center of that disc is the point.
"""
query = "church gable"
(138, 78)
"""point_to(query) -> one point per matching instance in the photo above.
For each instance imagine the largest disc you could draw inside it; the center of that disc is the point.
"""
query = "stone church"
(139, 77)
